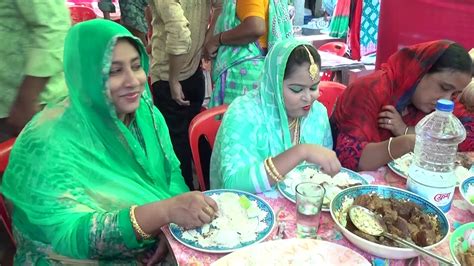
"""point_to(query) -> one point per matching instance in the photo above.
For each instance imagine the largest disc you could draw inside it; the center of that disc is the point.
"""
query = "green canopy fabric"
(76, 169)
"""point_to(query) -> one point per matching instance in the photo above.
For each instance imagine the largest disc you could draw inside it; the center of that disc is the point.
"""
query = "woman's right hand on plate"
(324, 157)
(192, 209)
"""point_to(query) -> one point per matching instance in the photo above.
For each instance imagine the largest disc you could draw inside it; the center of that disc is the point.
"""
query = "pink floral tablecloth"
(458, 215)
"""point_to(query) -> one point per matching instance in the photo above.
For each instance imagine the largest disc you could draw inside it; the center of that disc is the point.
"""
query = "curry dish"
(402, 218)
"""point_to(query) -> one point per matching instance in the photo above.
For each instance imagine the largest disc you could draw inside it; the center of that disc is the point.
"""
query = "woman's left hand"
(389, 118)
(153, 258)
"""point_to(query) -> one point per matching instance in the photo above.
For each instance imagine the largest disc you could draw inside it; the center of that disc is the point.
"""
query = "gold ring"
(209, 210)
(389, 121)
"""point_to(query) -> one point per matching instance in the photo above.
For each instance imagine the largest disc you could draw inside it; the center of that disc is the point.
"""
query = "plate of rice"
(243, 219)
(312, 173)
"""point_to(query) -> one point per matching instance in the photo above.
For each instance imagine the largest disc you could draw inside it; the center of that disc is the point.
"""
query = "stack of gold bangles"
(136, 226)
(272, 171)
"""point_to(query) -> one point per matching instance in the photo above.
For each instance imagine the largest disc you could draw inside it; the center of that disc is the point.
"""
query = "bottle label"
(438, 188)
(441, 196)
(432, 178)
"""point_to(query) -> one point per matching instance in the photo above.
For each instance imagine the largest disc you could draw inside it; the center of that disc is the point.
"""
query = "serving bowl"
(457, 242)
(341, 203)
(467, 192)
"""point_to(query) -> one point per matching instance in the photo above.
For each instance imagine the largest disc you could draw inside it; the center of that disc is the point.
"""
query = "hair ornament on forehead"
(313, 69)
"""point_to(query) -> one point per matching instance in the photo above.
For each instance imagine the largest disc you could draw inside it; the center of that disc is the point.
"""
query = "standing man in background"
(31, 65)
(179, 33)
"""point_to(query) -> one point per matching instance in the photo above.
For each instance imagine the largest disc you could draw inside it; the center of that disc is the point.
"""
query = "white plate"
(401, 165)
(265, 220)
(298, 252)
(288, 185)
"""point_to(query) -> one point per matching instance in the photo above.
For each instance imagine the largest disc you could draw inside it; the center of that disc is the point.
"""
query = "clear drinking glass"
(309, 201)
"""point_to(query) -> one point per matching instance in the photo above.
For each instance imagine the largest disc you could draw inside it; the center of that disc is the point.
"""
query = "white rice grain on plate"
(234, 224)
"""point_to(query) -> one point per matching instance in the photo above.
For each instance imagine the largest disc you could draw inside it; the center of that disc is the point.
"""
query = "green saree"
(255, 126)
(76, 169)
(237, 69)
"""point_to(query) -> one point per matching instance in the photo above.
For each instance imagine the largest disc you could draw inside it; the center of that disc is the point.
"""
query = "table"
(318, 39)
(459, 214)
(338, 63)
(331, 61)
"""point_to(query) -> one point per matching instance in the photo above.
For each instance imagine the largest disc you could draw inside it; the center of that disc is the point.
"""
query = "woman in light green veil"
(267, 132)
(93, 180)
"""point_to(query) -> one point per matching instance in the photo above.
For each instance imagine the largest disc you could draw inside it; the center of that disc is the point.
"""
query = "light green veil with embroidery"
(76, 161)
(255, 126)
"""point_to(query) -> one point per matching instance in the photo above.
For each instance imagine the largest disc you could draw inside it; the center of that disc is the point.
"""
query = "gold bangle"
(136, 226)
(274, 170)
(406, 131)
(269, 172)
(388, 148)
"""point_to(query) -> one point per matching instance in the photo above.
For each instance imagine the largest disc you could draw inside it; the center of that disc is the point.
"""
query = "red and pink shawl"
(355, 116)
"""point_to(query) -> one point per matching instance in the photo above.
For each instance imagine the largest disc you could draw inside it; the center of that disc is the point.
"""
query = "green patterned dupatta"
(237, 69)
(77, 158)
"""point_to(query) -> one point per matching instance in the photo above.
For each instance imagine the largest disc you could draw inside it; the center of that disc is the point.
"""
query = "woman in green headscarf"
(268, 132)
(93, 179)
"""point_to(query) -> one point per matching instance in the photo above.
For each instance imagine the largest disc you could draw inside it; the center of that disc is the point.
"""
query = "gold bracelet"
(406, 131)
(269, 172)
(388, 148)
(136, 226)
(274, 170)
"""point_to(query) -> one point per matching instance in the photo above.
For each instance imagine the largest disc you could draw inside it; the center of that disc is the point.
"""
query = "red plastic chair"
(5, 148)
(6, 220)
(329, 91)
(81, 13)
(204, 124)
(337, 48)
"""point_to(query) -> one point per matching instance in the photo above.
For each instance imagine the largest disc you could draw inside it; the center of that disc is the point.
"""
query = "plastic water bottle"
(299, 12)
(431, 174)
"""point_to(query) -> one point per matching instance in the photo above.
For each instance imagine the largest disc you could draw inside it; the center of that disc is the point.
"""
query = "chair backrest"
(329, 91)
(204, 124)
(5, 148)
(5, 220)
(81, 13)
(327, 75)
(337, 48)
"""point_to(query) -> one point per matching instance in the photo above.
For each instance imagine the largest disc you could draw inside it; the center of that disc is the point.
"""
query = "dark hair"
(455, 58)
(130, 41)
(300, 56)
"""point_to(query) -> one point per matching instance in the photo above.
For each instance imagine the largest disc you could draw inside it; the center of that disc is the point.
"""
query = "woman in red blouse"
(375, 117)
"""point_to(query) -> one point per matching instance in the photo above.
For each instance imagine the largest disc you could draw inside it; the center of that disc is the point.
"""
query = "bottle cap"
(444, 105)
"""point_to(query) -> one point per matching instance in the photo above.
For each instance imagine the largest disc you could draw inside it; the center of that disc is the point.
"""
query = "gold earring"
(313, 69)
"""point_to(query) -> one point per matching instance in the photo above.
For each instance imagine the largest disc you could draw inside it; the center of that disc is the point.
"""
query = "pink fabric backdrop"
(406, 22)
